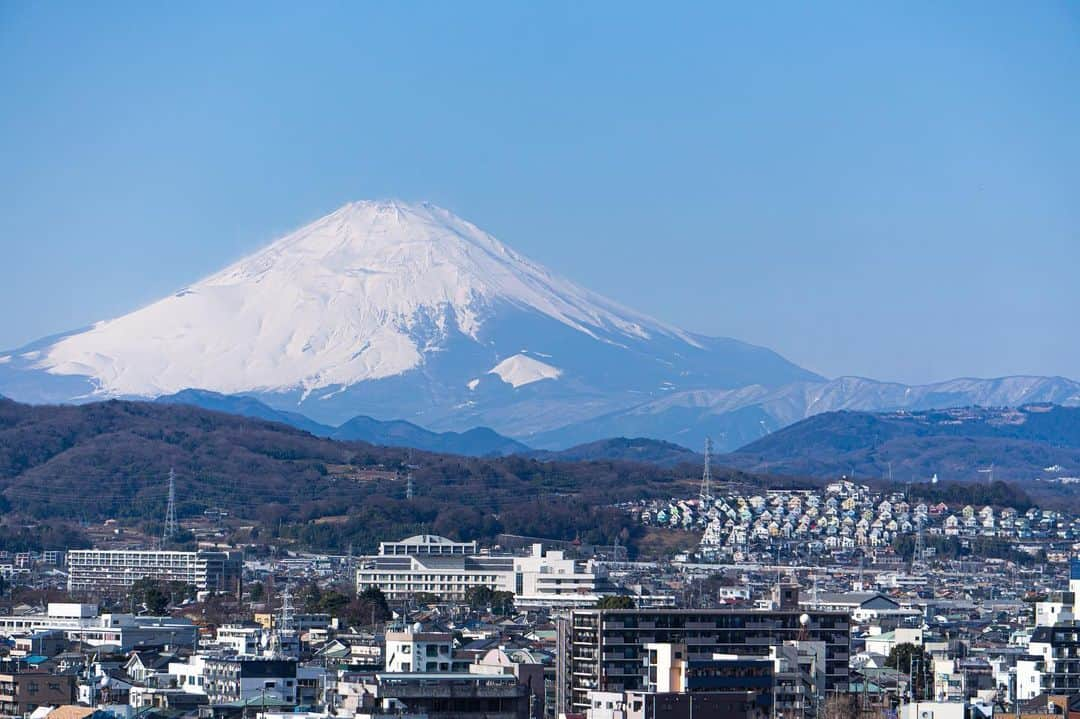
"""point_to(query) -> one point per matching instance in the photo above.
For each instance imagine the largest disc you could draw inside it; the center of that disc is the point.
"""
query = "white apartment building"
(102, 571)
(448, 569)
(414, 650)
(241, 639)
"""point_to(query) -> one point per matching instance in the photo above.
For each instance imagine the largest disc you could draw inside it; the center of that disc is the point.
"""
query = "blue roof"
(36, 659)
(1074, 569)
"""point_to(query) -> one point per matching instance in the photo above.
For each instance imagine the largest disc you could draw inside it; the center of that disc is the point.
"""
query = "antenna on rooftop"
(170, 510)
(706, 476)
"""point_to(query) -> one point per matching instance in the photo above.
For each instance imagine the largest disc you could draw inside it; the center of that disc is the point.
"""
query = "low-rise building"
(414, 650)
(120, 632)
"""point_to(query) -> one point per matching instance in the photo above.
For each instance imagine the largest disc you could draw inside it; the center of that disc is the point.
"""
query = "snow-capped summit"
(398, 310)
(360, 294)
(393, 309)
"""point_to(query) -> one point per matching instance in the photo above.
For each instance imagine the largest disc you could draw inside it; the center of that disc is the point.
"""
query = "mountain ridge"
(404, 312)
(475, 442)
(1036, 441)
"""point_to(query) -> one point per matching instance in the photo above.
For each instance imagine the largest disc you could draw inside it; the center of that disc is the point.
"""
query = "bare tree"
(840, 706)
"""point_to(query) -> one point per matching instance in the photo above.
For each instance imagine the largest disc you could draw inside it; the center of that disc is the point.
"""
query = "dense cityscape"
(539, 360)
(827, 602)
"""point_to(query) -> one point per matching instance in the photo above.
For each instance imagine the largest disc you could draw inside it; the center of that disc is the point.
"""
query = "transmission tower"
(170, 510)
(409, 486)
(706, 476)
(286, 621)
(920, 545)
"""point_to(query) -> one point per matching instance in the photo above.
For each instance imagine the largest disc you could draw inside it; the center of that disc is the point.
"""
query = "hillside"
(476, 442)
(1033, 441)
(110, 459)
(637, 449)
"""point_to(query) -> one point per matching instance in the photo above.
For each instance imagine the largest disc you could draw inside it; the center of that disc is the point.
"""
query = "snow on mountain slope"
(403, 311)
(361, 294)
(520, 370)
(734, 417)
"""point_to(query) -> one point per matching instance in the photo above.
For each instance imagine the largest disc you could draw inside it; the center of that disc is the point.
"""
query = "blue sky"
(890, 190)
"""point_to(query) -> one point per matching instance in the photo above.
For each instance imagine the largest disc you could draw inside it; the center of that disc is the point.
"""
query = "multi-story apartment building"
(23, 690)
(241, 679)
(436, 565)
(605, 649)
(101, 571)
(1052, 664)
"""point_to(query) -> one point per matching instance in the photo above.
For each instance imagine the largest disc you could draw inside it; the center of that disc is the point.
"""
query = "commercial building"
(605, 649)
(121, 632)
(100, 571)
(436, 565)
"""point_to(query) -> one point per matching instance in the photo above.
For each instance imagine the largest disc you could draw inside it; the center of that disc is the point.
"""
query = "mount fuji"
(394, 310)
(404, 311)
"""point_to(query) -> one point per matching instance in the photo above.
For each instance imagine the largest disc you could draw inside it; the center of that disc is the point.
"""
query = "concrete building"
(551, 579)
(121, 632)
(414, 650)
(786, 683)
(1052, 663)
(713, 705)
(427, 544)
(241, 639)
(605, 649)
(433, 565)
(447, 696)
(529, 674)
(436, 565)
(22, 690)
(244, 679)
(99, 571)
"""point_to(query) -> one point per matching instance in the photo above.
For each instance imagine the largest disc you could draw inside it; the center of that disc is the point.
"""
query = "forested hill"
(111, 459)
(1035, 441)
